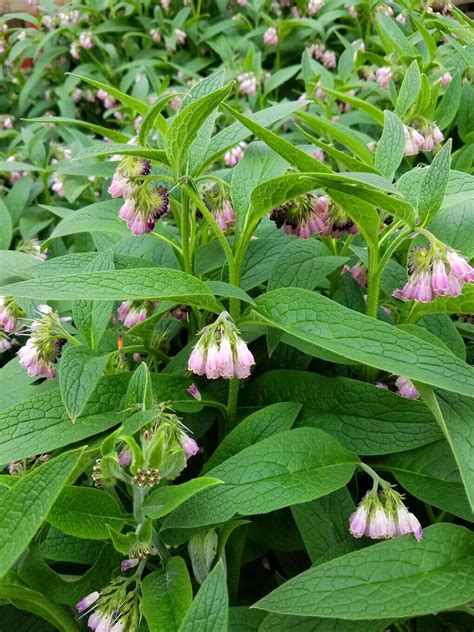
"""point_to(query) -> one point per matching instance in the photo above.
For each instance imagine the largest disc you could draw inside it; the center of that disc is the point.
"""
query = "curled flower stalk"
(221, 352)
(123, 180)
(10, 314)
(116, 608)
(221, 208)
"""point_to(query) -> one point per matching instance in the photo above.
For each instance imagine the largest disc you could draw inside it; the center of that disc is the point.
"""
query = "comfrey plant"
(236, 317)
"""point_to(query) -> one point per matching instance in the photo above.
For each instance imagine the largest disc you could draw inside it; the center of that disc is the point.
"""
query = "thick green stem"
(185, 235)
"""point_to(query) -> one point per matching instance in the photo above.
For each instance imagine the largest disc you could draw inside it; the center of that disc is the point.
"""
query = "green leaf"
(140, 388)
(115, 285)
(92, 317)
(23, 507)
(391, 146)
(41, 424)
(113, 134)
(393, 37)
(380, 581)
(323, 522)
(162, 501)
(304, 263)
(122, 149)
(150, 117)
(209, 611)
(288, 151)
(233, 134)
(85, 512)
(434, 184)
(278, 622)
(409, 89)
(32, 601)
(127, 100)
(316, 319)
(59, 547)
(337, 132)
(362, 417)
(167, 595)
(431, 474)
(280, 77)
(6, 224)
(80, 370)
(448, 105)
(285, 469)
(185, 126)
(365, 106)
(242, 619)
(466, 112)
(254, 428)
(259, 164)
(454, 415)
(98, 217)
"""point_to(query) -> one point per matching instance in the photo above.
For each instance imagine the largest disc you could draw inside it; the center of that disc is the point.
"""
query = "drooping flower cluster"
(114, 609)
(5, 342)
(383, 76)
(314, 6)
(133, 312)
(325, 56)
(358, 273)
(383, 516)
(32, 247)
(435, 270)
(221, 208)
(142, 206)
(221, 352)
(235, 154)
(406, 388)
(270, 37)
(424, 139)
(247, 83)
(10, 313)
(43, 346)
(308, 214)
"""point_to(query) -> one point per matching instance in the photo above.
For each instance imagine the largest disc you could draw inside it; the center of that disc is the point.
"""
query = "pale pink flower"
(406, 388)
(270, 37)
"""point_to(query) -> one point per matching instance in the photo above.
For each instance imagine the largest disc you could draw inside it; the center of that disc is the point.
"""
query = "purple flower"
(358, 522)
(270, 37)
(189, 446)
(446, 79)
(234, 155)
(406, 388)
(126, 565)
(383, 76)
(133, 312)
(35, 365)
(87, 601)
(194, 392)
(125, 456)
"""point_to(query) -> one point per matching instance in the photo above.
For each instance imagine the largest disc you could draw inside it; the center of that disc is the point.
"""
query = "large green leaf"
(258, 165)
(85, 512)
(409, 89)
(209, 611)
(167, 595)
(126, 99)
(114, 135)
(316, 319)
(116, 285)
(278, 622)
(41, 423)
(121, 149)
(12, 591)
(185, 126)
(162, 501)
(24, 507)
(296, 156)
(80, 370)
(287, 468)
(254, 428)
(454, 415)
(398, 578)
(390, 148)
(361, 416)
(431, 474)
(92, 317)
(323, 522)
(233, 134)
(434, 184)
(99, 217)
